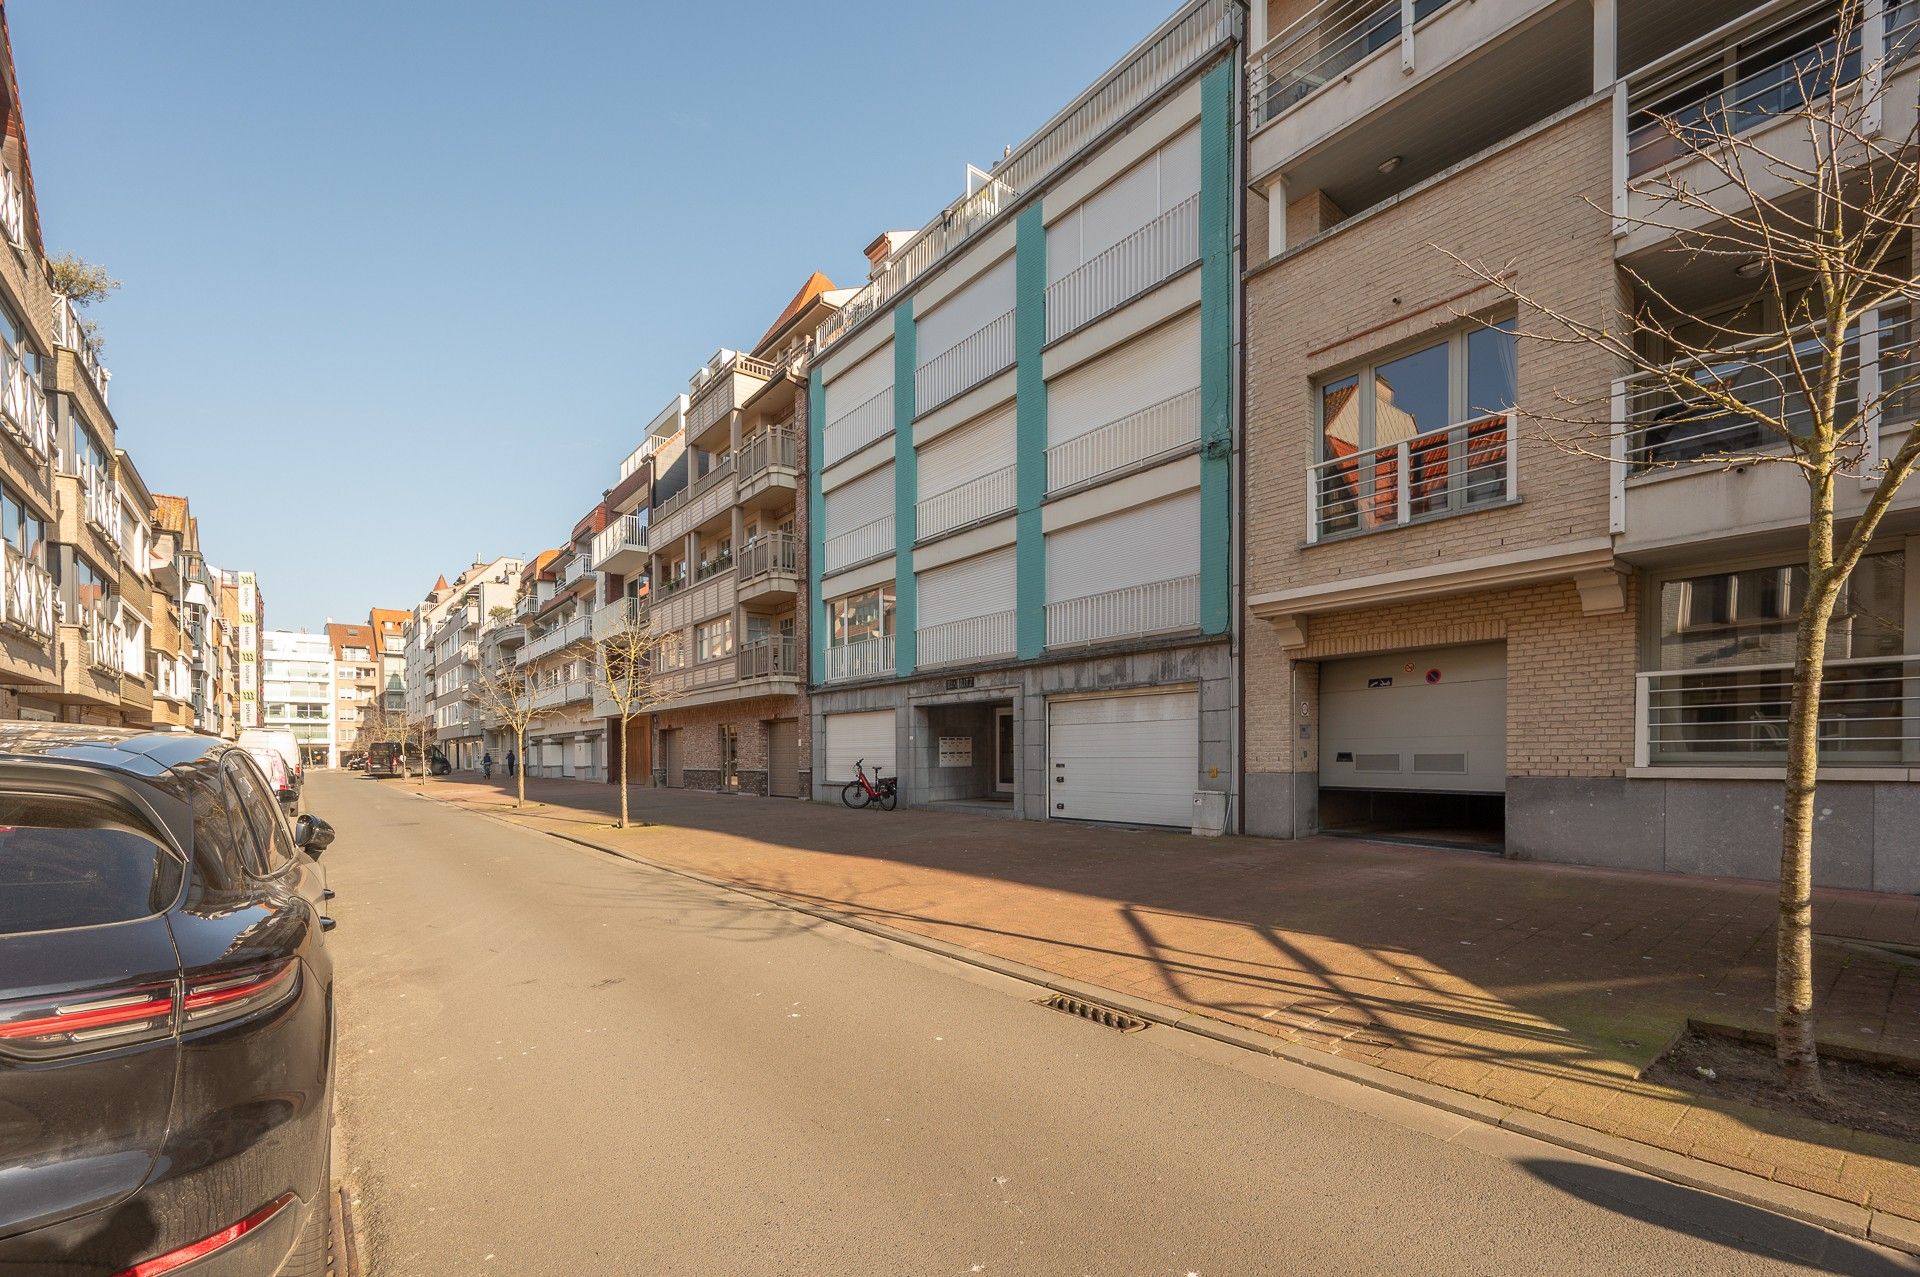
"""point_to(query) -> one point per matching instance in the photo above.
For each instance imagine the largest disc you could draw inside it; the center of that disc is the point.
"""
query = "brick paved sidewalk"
(1541, 987)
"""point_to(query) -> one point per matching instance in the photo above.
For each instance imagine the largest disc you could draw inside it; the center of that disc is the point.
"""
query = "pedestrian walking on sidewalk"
(510, 760)
(486, 764)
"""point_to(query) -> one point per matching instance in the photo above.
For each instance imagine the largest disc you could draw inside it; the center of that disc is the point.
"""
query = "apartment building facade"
(298, 692)
(555, 611)
(389, 626)
(356, 684)
(459, 724)
(729, 612)
(1455, 627)
(1021, 554)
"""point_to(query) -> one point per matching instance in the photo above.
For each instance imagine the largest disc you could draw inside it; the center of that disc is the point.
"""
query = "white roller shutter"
(969, 453)
(1155, 542)
(1432, 720)
(852, 737)
(859, 383)
(1155, 368)
(1124, 205)
(854, 505)
(1131, 759)
(979, 586)
(965, 313)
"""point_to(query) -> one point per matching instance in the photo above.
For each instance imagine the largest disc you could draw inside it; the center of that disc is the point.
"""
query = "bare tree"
(623, 665)
(1800, 192)
(507, 695)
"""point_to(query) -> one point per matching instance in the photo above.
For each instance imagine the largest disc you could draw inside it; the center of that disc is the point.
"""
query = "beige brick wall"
(1382, 281)
(699, 729)
(1569, 675)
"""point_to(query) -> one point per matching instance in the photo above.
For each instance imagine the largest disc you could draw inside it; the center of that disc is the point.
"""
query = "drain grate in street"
(1093, 1011)
(343, 1247)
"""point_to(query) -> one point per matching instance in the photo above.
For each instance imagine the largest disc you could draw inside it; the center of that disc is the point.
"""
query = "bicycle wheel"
(854, 795)
(888, 798)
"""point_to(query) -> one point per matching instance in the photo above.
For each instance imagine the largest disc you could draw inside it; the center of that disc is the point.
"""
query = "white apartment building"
(299, 693)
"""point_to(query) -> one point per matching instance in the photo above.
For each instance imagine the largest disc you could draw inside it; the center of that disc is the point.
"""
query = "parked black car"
(166, 1011)
(384, 759)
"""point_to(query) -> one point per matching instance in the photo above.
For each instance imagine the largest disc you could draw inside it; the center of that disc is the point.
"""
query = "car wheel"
(309, 1257)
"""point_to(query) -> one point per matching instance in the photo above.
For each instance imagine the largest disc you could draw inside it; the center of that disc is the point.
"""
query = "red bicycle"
(882, 791)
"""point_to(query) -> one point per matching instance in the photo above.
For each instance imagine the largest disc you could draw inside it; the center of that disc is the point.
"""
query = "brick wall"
(1569, 675)
(699, 739)
(1381, 280)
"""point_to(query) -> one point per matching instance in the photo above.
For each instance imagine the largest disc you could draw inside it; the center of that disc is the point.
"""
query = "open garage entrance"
(1413, 746)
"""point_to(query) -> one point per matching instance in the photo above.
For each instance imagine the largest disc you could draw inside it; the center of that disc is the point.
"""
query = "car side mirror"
(312, 835)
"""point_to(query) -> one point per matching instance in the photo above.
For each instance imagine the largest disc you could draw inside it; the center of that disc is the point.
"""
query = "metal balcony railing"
(106, 639)
(1157, 429)
(1325, 43)
(70, 332)
(970, 502)
(1664, 427)
(868, 541)
(1147, 257)
(969, 639)
(628, 532)
(23, 407)
(853, 430)
(1869, 714)
(862, 658)
(101, 500)
(28, 604)
(572, 632)
(981, 354)
(769, 658)
(1179, 44)
(1437, 472)
(775, 554)
(713, 567)
(567, 692)
(1153, 608)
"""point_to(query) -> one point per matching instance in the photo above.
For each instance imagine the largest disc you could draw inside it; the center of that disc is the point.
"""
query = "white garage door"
(852, 737)
(1133, 759)
(1433, 720)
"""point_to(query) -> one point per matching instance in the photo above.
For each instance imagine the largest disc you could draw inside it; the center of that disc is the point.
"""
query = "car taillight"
(235, 995)
(177, 1259)
(53, 1028)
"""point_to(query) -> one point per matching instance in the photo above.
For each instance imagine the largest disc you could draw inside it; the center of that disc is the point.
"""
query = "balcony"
(1159, 430)
(1180, 43)
(1148, 257)
(688, 680)
(621, 546)
(682, 607)
(1449, 470)
(575, 631)
(869, 541)
(770, 658)
(1326, 45)
(576, 691)
(71, 334)
(722, 387)
(23, 408)
(987, 352)
(613, 617)
(1677, 481)
(969, 503)
(100, 501)
(770, 569)
(769, 468)
(1153, 608)
(699, 504)
(860, 659)
(972, 639)
(28, 606)
(1749, 76)
(575, 569)
(1737, 715)
(106, 640)
(853, 430)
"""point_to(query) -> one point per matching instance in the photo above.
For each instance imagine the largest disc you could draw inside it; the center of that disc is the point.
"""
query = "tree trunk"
(520, 772)
(623, 773)
(1794, 1045)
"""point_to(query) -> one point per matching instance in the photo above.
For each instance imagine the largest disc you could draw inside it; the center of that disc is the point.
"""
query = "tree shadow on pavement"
(1719, 1220)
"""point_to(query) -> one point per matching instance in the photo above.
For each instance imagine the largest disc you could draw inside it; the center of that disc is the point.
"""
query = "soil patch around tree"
(1866, 1096)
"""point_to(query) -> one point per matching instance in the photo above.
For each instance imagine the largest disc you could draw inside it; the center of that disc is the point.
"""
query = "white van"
(282, 743)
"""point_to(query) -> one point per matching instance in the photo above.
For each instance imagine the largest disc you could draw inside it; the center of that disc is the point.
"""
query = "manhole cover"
(1093, 1011)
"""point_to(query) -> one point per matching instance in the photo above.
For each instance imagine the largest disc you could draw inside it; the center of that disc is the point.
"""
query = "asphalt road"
(557, 1062)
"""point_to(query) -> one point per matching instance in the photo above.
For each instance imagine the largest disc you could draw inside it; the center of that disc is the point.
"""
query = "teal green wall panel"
(816, 524)
(1030, 431)
(1216, 349)
(906, 490)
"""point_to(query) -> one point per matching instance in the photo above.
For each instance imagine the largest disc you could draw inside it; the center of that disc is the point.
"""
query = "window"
(21, 528)
(1723, 654)
(714, 639)
(90, 584)
(14, 334)
(1445, 404)
(75, 862)
(867, 615)
(673, 651)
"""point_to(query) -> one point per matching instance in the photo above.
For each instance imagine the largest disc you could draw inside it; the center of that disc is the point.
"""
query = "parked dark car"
(166, 1011)
(384, 757)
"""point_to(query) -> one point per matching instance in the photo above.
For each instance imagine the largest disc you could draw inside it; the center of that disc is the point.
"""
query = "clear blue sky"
(404, 279)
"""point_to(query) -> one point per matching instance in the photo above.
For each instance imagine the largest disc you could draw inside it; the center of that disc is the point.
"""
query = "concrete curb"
(1832, 1214)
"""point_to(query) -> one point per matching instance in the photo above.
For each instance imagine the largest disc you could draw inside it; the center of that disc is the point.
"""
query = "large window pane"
(1410, 395)
(1490, 369)
(1340, 418)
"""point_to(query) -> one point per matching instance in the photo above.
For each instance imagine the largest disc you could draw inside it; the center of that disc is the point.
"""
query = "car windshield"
(67, 862)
